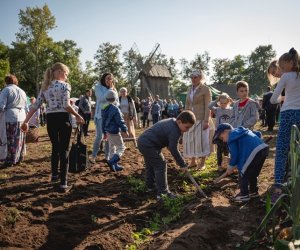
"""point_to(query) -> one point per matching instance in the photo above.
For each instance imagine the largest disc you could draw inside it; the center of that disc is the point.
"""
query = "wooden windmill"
(154, 78)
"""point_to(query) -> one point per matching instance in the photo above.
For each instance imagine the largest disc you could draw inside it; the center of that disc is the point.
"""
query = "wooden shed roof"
(158, 71)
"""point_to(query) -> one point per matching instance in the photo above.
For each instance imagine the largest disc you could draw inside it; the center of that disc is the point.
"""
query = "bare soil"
(101, 211)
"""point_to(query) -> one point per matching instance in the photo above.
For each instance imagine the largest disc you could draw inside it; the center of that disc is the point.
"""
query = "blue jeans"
(288, 118)
(98, 139)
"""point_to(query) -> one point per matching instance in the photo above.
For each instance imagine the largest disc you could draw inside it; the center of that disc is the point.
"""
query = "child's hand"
(229, 171)
(125, 134)
(184, 170)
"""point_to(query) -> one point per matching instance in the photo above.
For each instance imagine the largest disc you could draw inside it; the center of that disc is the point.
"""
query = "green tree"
(86, 81)
(228, 71)
(107, 59)
(68, 53)
(200, 61)
(4, 63)
(185, 68)
(221, 70)
(258, 62)
(22, 65)
(35, 26)
(130, 69)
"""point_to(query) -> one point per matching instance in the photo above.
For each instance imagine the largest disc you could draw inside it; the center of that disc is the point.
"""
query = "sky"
(183, 28)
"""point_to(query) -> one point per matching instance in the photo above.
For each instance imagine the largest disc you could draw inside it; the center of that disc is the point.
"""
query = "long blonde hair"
(49, 74)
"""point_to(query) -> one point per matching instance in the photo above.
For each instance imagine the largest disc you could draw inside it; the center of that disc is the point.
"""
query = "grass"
(172, 209)
(13, 216)
(136, 185)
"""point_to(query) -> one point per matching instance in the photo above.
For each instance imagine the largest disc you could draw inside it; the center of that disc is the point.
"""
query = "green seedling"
(136, 185)
(13, 216)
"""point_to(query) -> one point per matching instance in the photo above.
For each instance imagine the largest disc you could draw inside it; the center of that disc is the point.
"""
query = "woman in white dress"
(196, 141)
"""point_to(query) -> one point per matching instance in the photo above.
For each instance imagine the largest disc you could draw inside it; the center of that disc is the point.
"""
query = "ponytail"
(47, 79)
(295, 58)
(49, 76)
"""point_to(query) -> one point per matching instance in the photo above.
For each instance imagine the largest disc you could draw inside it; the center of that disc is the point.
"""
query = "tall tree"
(200, 61)
(221, 70)
(68, 53)
(4, 63)
(258, 62)
(107, 59)
(130, 69)
(228, 71)
(35, 26)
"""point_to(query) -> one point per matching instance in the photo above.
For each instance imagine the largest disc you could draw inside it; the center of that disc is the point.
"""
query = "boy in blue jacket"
(112, 123)
(248, 153)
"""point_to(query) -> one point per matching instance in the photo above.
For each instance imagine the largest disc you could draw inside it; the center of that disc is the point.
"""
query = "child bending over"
(248, 153)
(165, 133)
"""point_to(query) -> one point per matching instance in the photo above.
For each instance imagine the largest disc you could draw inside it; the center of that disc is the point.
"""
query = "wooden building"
(154, 79)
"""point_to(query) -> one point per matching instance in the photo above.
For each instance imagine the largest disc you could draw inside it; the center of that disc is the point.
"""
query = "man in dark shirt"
(270, 109)
(165, 133)
(85, 110)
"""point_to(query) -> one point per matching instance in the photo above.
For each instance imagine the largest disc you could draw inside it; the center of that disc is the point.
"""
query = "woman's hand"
(205, 125)
(79, 120)
(25, 127)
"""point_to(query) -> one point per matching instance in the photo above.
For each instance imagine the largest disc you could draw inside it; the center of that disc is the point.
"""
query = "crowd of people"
(117, 115)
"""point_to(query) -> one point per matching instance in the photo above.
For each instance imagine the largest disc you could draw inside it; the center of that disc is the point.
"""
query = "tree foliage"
(200, 61)
(228, 71)
(35, 26)
(107, 59)
(258, 62)
(130, 68)
(4, 63)
(250, 68)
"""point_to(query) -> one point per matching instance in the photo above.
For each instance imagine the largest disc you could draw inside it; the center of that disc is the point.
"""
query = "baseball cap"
(220, 129)
(196, 72)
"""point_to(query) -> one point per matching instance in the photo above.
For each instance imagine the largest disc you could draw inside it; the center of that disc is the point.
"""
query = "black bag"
(78, 155)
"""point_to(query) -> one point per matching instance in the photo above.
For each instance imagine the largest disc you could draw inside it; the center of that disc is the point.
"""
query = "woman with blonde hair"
(127, 108)
(55, 92)
(196, 143)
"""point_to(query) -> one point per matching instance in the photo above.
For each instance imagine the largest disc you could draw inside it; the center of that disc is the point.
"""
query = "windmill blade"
(154, 51)
(138, 59)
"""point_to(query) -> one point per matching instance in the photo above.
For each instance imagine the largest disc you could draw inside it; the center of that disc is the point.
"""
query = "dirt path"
(101, 211)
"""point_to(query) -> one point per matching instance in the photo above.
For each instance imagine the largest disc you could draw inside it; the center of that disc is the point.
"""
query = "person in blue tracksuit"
(248, 153)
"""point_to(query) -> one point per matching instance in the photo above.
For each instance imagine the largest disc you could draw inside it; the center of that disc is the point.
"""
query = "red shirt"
(243, 103)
